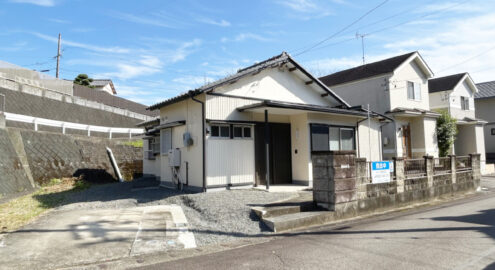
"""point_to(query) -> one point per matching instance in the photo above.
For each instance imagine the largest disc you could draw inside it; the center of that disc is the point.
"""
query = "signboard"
(380, 172)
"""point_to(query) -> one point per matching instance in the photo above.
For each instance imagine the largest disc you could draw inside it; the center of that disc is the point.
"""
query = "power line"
(343, 29)
(468, 59)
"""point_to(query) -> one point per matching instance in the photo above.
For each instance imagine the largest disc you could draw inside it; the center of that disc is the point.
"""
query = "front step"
(298, 220)
(283, 209)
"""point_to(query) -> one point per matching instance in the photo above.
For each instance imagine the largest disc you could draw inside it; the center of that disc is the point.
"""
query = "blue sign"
(380, 171)
(380, 165)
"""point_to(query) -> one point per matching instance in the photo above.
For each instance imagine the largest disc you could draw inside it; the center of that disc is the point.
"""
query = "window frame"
(416, 90)
(220, 137)
(163, 151)
(493, 131)
(340, 128)
(242, 127)
(465, 103)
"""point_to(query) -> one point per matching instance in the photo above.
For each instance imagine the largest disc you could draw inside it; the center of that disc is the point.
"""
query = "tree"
(446, 132)
(83, 79)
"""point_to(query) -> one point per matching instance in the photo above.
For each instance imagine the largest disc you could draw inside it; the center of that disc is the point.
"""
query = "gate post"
(334, 181)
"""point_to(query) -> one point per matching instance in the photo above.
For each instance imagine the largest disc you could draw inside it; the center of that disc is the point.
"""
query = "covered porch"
(286, 135)
(415, 133)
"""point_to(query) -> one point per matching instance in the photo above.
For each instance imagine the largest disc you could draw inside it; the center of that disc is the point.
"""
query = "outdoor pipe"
(191, 94)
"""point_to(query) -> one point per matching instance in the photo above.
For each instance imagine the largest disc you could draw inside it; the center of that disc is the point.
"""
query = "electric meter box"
(174, 157)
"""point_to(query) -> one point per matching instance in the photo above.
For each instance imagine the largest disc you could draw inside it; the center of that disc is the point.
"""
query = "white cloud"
(58, 21)
(222, 23)
(300, 5)
(193, 81)
(89, 47)
(43, 3)
(246, 36)
(148, 20)
(453, 46)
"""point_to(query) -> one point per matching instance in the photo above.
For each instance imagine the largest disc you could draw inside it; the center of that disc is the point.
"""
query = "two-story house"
(398, 88)
(484, 101)
(455, 95)
(258, 126)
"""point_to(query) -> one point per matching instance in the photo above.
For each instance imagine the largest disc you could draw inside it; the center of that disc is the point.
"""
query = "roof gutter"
(203, 135)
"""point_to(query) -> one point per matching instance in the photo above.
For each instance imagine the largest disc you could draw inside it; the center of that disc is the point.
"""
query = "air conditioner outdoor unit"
(174, 157)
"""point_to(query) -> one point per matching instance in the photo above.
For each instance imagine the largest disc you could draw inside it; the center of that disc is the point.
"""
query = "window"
(220, 131)
(242, 132)
(465, 103)
(165, 140)
(325, 138)
(154, 145)
(493, 131)
(230, 131)
(413, 91)
(247, 132)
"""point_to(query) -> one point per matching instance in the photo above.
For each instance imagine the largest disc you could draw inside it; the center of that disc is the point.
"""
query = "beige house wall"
(398, 87)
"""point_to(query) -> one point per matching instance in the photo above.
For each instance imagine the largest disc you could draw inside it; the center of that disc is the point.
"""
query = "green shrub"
(446, 132)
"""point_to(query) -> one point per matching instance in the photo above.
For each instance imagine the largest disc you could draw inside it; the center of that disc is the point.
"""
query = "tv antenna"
(362, 43)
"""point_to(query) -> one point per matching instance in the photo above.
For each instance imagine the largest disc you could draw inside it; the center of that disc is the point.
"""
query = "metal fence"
(442, 165)
(415, 167)
(463, 163)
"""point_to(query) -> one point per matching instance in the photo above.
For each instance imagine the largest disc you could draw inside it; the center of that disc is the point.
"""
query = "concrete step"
(280, 209)
(298, 220)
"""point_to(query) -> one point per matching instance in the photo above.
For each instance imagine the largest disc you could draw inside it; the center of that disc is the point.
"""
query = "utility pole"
(58, 55)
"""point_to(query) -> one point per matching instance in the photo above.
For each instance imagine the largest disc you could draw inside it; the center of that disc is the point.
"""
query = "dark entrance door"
(280, 154)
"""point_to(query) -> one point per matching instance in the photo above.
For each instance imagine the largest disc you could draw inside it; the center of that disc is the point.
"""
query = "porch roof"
(470, 121)
(288, 108)
(157, 129)
(414, 112)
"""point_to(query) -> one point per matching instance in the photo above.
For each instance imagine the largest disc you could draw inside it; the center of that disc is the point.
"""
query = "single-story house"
(258, 126)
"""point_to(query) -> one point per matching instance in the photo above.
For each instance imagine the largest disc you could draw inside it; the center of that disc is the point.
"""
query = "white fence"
(69, 125)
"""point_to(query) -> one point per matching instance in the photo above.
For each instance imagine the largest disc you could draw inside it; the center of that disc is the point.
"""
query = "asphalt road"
(456, 235)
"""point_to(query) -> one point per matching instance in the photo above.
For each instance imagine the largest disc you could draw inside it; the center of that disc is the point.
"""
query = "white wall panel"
(230, 161)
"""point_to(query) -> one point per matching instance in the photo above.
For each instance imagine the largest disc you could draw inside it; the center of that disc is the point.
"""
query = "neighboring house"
(396, 87)
(455, 95)
(225, 130)
(484, 101)
(105, 85)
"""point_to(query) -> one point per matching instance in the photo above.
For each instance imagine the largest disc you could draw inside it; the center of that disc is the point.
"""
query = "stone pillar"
(476, 167)
(453, 168)
(429, 168)
(361, 171)
(399, 173)
(334, 181)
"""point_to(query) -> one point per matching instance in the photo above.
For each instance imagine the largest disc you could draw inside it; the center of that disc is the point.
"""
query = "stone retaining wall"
(49, 155)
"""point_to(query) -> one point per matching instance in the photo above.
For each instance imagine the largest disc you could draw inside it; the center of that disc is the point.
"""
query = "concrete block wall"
(338, 189)
(49, 155)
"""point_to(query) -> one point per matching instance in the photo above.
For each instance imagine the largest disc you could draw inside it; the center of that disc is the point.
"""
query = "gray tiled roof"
(101, 82)
(485, 90)
(366, 71)
(444, 83)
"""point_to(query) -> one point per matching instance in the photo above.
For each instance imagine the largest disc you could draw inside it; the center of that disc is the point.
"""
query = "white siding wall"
(439, 100)
(301, 141)
(430, 133)
(276, 84)
(369, 133)
(190, 111)
(151, 167)
(456, 111)
(372, 91)
(230, 161)
(398, 87)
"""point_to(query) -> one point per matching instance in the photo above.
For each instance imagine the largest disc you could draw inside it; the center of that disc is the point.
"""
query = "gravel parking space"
(213, 217)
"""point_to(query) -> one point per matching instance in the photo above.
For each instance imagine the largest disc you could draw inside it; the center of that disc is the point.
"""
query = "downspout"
(191, 94)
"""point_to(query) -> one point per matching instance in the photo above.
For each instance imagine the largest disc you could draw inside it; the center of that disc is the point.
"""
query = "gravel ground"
(213, 217)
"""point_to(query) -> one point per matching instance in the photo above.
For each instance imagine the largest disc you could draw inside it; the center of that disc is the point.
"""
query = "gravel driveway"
(213, 217)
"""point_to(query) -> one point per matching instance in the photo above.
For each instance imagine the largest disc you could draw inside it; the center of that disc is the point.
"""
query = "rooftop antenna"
(362, 43)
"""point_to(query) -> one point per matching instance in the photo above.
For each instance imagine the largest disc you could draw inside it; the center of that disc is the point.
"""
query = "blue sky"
(153, 50)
